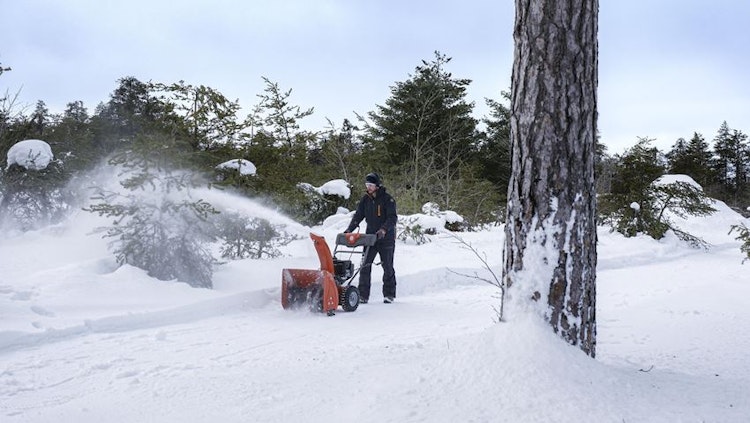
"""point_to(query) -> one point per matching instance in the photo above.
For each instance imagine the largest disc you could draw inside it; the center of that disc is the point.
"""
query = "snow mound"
(245, 167)
(30, 154)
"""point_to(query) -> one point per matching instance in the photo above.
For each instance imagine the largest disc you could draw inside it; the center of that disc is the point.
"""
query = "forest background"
(425, 142)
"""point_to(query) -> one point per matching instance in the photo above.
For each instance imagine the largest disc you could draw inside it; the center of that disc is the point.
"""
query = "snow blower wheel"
(350, 298)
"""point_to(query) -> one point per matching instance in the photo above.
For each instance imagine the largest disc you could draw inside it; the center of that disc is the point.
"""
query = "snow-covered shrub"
(410, 228)
(245, 237)
(316, 203)
(670, 195)
(452, 221)
(32, 192)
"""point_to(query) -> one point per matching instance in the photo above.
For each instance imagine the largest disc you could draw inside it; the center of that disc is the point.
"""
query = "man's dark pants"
(385, 249)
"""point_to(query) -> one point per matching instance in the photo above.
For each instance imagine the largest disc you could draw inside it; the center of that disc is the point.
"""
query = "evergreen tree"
(203, 115)
(157, 224)
(340, 151)
(132, 110)
(282, 119)
(424, 134)
(731, 160)
(493, 152)
(640, 199)
(700, 157)
(629, 196)
(604, 169)
(678, 158)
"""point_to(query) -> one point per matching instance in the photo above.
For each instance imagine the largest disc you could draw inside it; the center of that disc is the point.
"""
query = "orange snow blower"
(325, 289)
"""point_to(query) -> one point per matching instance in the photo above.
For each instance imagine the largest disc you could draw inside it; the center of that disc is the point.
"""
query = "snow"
(245, 167)
(30, 154)
(448, 216)
(82, 340)
(671, 179)
(337, 187)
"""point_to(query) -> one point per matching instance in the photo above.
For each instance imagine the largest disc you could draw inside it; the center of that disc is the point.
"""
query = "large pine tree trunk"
(550, 246)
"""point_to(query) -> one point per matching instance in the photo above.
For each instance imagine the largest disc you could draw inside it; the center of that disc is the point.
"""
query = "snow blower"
(325, 289)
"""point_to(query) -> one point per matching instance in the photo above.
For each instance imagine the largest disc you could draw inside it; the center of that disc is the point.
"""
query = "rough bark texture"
(551, 196)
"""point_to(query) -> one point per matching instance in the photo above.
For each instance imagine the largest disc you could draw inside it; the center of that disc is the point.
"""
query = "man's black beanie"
(373, 178)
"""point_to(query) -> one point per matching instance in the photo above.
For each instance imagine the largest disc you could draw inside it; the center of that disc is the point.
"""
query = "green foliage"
(731, 163)
(409, 229)
(245, 237)
(629, 203)
(494, 153)
(691, 158)
(743, 234)
(340, 151)
(157, 225)
(206, 117)
(132, 110)
(312, 207)
(31, 199)
(649, 214)
(637, 204)
(280, 117)
(424, 134)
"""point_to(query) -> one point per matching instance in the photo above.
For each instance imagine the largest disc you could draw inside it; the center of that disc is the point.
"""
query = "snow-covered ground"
(82, 340)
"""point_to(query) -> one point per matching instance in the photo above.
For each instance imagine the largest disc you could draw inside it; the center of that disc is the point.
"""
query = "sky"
(85, 340)
(667, 69)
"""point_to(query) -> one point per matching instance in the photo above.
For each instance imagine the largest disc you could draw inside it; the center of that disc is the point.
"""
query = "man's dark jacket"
(379, 211)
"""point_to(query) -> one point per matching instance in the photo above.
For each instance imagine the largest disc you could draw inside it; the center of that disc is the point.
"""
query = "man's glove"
(380, 233)
(347, 231)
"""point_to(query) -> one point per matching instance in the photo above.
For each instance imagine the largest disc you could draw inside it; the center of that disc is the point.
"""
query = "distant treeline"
(424, 141)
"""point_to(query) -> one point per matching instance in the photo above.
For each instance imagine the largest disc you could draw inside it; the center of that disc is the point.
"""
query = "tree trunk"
(550, 245)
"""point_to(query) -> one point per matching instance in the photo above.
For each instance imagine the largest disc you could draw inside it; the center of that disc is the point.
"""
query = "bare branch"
(498, 282)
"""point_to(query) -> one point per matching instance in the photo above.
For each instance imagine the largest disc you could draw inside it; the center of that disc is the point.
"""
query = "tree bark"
(550, 233)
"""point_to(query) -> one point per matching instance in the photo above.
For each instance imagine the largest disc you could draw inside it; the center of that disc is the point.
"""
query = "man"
(378, 209)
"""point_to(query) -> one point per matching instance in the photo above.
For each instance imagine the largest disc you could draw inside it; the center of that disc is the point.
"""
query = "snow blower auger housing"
(325, 289)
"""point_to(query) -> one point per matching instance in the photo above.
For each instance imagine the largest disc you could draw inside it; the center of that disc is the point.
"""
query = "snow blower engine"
(325, 289)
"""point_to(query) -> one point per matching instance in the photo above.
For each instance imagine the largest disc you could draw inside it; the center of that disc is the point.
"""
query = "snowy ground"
(84, 341)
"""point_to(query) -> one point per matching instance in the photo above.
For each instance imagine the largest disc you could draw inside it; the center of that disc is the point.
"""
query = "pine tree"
(157, 225)
(700, 156)
(550, 232)
(424, 134)
(205, 116)
(493, 153)
(630, 203)
(731, 160)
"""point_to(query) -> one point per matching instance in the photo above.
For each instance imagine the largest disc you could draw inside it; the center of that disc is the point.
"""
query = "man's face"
(370, 187)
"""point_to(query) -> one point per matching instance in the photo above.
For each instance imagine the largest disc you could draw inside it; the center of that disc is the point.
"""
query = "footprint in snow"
(42, 311)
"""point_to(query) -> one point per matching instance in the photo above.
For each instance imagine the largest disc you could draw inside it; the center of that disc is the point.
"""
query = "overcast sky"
(667, 68)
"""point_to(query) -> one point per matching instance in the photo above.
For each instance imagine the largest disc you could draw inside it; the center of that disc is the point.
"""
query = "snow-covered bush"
(409, 228)
(32, 191)
(431, 221)
(317, 203)
(246, 237)
(669, 195)
(452, 221)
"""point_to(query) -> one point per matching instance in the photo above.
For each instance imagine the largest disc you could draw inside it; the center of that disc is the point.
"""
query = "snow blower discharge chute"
(325, 289)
